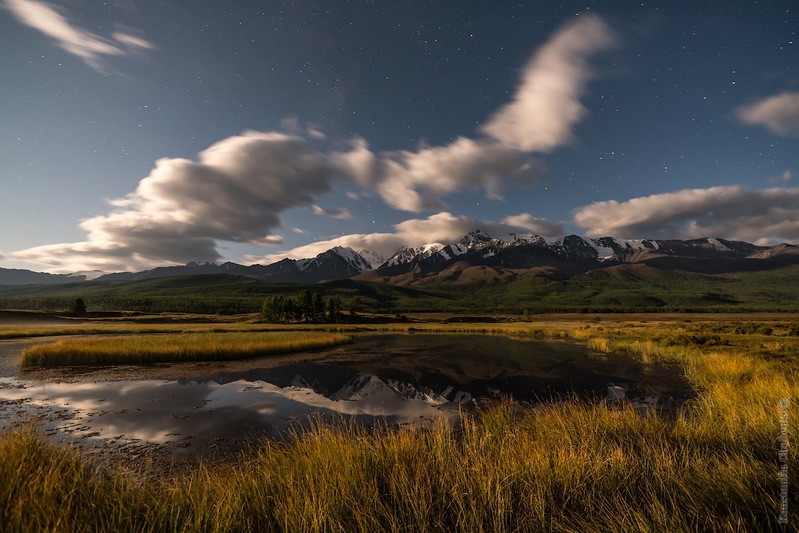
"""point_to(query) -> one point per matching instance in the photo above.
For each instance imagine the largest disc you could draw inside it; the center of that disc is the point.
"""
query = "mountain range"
(476, 258)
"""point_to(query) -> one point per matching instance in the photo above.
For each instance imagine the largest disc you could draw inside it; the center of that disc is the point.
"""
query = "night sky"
(144, 133)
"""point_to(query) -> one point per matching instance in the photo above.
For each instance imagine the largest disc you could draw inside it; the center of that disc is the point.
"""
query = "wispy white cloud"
(269, 240)
(731, 212)
(292, 124)
(339, 213)
(779, 114)
(54, 22)
(421, 180)
(354, 196)
(314, 131)
(441, 227)
(783, 177)
(132, 42)
(547, 105)
(539, 226)
(418, 181)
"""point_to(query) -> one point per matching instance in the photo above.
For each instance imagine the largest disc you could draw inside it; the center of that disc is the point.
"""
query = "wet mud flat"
(182, 413)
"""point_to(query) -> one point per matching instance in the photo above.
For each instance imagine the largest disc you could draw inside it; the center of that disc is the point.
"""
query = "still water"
(403, 380)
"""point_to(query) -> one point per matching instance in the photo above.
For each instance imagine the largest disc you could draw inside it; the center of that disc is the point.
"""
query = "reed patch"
(194, 346)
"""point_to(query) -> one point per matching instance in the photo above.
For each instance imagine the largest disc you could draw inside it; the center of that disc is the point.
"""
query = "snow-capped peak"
(351, 257)
(407, 254)
(528, 238)
(88, 275)
(373, 258)
(611, 247)
(717, 244)
(604, 247)
(475, 236)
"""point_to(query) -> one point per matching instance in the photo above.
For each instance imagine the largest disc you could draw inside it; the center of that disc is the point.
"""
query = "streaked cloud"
(54, 22)
(355, 196)
(538, 226)
(783, 177)
(314, 131)
(731, 212)
(779, 114)
(339, 213)
(441, 227)
(547, 105)
(421, 180)
(131, 41)
(418, 181)
(292, 124)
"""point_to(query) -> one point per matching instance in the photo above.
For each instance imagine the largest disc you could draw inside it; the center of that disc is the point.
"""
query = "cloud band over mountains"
(441, 227)
(238, 188)
(731, 212)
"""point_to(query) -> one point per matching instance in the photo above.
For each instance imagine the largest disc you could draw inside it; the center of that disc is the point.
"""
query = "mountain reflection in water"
(391, 379)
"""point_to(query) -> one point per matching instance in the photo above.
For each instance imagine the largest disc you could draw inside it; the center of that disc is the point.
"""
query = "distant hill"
(13, 276)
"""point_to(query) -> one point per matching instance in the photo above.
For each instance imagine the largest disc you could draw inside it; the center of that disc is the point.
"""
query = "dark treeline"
(306, 307)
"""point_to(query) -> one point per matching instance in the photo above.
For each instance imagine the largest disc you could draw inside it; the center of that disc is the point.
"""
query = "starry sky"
(143, 133)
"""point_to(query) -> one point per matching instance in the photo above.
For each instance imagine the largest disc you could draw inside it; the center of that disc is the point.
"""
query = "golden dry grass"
(202, 346)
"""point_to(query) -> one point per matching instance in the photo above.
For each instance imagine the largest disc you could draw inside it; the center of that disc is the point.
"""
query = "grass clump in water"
(204, 346)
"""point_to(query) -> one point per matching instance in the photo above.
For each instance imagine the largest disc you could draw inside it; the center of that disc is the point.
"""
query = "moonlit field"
(399, 266)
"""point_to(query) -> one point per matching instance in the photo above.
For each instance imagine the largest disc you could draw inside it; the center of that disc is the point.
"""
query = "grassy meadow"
(566, 466)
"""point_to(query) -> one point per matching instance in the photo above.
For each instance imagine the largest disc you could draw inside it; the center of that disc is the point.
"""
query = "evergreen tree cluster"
(306, 307)
(77, 307)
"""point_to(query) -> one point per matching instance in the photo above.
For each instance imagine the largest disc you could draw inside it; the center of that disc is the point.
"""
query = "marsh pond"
(199, 409)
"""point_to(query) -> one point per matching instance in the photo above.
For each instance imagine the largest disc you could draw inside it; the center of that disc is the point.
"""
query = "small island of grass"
(183, 347)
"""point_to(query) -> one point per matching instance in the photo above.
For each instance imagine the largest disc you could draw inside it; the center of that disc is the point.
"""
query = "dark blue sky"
(388, 123)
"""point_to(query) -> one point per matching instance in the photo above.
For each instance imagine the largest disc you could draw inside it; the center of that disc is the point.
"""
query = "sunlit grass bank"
(564, 467)
(204, 346)
(569, 466)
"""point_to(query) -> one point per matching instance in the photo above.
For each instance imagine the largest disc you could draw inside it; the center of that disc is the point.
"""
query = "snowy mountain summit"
(528, 250)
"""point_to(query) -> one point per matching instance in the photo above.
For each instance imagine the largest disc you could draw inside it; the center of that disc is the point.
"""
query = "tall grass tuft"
(560, 467)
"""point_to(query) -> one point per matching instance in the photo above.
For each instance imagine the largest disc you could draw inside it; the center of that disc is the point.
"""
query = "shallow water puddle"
(200, 415)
